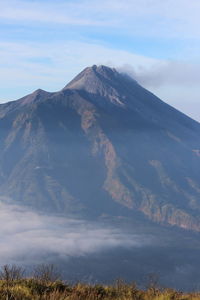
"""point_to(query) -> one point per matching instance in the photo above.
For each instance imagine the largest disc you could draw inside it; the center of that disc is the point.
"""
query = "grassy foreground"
(28, 289)
(44, 285)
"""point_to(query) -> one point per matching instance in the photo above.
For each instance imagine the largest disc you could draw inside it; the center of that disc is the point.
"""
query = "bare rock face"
(102, 145)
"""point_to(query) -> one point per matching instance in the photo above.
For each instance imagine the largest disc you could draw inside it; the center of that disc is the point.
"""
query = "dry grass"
(44, 285)
(34, 289)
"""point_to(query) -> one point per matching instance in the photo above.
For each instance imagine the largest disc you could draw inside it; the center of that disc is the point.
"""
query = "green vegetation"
(45, 285)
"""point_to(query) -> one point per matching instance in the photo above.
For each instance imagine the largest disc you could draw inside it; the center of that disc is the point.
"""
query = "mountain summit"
(101, 145)
(102, 81)
(92, 78)
(96, 79)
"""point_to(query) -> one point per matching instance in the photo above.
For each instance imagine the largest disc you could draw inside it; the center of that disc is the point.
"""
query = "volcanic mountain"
(101, 145)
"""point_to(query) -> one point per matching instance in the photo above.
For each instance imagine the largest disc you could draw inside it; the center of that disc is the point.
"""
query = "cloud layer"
(27, 236)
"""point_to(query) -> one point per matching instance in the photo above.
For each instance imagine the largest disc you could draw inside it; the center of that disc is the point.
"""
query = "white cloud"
(26, 235)
(59, 12)
(178, 19)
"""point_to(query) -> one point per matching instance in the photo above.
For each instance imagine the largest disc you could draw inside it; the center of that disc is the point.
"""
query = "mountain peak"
(95, 79)
(94, 71)
(104, 70)
(35, 96)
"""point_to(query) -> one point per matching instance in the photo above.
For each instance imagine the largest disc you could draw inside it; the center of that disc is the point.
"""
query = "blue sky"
(44, 44)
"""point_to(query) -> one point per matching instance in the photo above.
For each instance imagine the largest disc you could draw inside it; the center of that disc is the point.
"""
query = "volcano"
(103, 145)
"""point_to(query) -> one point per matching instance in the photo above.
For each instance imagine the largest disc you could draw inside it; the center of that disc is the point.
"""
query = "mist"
(27, 235)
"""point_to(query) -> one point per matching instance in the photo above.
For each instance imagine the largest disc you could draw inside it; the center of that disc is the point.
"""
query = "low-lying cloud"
(27, 236)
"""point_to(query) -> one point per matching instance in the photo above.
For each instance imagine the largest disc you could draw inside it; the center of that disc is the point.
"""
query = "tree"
(10, 273)
(46, 273)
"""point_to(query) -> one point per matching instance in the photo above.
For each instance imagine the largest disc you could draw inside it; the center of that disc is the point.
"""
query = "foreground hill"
(102, 145)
